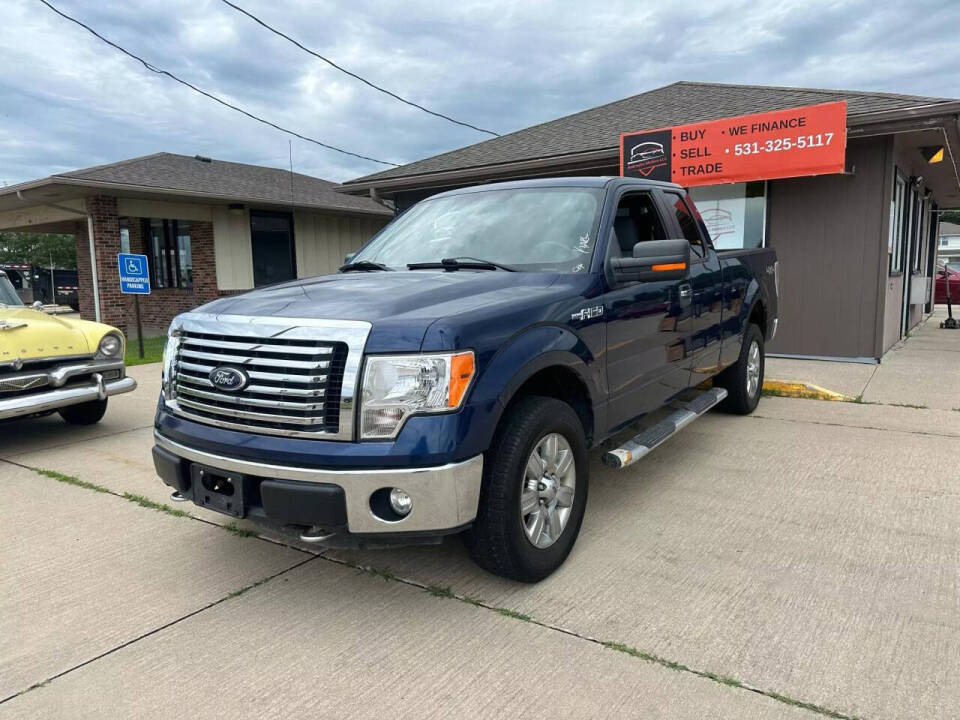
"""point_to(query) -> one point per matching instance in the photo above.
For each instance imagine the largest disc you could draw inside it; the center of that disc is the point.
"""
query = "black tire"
(88, 413)
(497, 541)
(735, 381)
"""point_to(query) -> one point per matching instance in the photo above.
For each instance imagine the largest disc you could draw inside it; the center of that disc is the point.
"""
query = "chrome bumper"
(96, 389)
(444, 497)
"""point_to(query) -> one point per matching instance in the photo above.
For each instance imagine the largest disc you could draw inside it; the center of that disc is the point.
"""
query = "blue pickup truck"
(455, 372)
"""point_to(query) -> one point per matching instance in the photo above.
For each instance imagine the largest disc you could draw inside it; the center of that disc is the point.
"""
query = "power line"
(160, 71)
(331, 63)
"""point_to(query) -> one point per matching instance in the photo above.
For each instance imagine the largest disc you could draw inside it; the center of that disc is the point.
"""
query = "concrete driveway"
(798, 563)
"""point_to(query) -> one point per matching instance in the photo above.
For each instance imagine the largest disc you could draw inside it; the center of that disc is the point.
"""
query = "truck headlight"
(398, 386)
(169, 360)
(111, 346)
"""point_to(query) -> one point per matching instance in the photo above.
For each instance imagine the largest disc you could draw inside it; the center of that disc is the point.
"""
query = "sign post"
(797, 142)
(134, 280)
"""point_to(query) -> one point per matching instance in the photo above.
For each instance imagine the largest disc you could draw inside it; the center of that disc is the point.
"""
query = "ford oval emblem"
(228, 379)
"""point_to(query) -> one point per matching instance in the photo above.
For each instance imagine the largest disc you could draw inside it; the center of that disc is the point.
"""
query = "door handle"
(686, 291)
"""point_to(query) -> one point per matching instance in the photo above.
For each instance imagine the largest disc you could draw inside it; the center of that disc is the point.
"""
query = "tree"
(950, 216)
(38, 249)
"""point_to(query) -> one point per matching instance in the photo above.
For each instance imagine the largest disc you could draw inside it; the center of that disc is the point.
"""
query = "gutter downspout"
(93, 270)
(93, 255)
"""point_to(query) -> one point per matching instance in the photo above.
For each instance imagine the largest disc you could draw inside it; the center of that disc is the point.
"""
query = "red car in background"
(946, 270)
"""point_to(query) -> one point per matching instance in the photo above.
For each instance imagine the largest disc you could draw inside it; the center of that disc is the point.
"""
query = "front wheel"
(534, 491)
(744, 379)
(87, 413)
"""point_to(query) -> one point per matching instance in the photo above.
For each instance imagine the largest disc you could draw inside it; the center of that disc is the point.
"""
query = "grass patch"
(235, 529)
(437, 591)
(71, 480)
(910, 405)
(725, 680)
(506, 612)
(150, 504)
(384, 575)
(152, 350)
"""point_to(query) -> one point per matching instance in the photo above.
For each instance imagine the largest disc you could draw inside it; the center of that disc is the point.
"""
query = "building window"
(168, 249)
(124, 235)
(897, 222)
(735, 214)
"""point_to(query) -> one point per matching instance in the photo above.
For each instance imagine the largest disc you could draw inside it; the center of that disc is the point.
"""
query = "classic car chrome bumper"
(52, 391)
(444, 497)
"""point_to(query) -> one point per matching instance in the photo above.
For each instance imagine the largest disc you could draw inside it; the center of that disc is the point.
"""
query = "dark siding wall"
(829, 234)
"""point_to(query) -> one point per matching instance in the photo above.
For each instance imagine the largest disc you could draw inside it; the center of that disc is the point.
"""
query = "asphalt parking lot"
(798, 563)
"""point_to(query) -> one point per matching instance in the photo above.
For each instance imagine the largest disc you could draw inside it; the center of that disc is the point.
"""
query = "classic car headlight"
(169, 359)
(398, 386)
(111, 346)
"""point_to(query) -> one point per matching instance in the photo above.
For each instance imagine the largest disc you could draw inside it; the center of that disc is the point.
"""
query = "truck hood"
(31, 334)
(400, 304)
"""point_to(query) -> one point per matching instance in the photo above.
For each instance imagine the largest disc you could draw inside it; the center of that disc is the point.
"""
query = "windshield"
(8, 296)
(533, 229)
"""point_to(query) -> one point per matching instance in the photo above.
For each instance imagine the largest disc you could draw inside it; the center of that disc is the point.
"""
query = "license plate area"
(218, 490)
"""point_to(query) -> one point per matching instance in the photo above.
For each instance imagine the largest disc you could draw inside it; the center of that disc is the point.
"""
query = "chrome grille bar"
(263, 389)
(258, 346)
(248, 361)
(248, 415)
(246, 400)
(257, 375)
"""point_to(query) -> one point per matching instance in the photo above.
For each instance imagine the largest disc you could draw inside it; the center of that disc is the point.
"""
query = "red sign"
(810, 140)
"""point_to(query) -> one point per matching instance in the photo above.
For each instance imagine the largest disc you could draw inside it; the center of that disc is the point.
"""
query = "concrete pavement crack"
(848, 425)
(653, 658)
(155, 630)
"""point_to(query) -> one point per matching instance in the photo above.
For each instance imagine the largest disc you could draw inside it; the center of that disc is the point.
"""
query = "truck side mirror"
(654, 261)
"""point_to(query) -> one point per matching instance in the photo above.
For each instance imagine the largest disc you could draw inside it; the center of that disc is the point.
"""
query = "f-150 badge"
(587, 313)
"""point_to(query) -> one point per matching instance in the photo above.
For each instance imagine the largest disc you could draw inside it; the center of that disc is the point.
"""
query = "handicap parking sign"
(134, 276)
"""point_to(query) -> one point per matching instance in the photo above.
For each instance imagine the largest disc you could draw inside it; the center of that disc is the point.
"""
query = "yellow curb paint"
(784, 388)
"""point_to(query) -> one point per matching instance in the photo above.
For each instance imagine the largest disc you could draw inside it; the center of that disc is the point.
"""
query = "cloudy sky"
(68, 101)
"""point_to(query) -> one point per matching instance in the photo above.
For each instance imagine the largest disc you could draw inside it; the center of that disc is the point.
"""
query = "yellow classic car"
(50, 364)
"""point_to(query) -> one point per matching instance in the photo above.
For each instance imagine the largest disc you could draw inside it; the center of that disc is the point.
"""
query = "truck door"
(706, 283)
(648, 323)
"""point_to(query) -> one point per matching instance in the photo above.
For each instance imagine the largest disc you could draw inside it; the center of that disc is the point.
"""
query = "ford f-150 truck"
(455, 372)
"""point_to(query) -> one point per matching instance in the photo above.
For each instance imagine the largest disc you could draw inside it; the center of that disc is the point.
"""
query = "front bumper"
(61, 392)
(444, 498)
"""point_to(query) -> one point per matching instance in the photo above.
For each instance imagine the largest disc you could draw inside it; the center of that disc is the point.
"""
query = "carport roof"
(204, 178)
(597, 130)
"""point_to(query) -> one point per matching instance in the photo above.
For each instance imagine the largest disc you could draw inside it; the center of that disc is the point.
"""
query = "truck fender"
(526, 354)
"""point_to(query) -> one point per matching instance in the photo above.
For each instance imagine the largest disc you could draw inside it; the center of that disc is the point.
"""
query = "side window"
(689, 224)
(637, 220)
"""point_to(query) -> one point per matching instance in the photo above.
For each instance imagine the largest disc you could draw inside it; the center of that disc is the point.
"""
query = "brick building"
(207, 227)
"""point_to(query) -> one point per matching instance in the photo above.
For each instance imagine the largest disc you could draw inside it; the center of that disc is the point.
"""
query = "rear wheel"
(534, 491)
(87, 413)
(744, 379)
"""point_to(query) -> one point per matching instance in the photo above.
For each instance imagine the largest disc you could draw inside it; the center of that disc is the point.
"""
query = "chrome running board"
(641, 444)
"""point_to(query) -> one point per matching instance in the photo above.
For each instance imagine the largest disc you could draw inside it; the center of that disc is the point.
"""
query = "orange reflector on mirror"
(666, 267)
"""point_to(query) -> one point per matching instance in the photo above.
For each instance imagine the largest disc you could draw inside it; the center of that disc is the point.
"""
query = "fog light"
(400, 502)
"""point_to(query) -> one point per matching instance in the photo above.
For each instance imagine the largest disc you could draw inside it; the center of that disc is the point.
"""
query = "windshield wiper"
(362, 266)
(461, 263)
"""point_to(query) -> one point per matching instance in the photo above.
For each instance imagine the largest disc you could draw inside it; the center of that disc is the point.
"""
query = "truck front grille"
(293, 388)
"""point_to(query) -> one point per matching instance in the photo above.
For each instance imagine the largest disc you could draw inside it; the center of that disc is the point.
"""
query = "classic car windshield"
(8, 296)
(531, 229)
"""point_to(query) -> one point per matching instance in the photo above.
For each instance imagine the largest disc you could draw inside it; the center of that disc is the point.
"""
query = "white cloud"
(69, 101)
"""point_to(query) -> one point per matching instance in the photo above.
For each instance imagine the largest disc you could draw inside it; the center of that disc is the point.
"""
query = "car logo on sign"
(228, 379)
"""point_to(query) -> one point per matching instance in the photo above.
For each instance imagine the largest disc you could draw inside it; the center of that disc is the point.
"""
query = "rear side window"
(689, 224)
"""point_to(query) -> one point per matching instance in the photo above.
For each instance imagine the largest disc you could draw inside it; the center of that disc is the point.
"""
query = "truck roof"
(594, 181)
